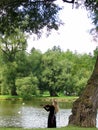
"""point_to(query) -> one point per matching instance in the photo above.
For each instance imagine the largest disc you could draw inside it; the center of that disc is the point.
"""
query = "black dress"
(51, 117)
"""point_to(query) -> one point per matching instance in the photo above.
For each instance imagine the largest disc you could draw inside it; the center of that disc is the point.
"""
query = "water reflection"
(29, 115)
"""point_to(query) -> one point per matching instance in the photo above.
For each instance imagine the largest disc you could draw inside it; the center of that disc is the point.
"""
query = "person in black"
(52, 109)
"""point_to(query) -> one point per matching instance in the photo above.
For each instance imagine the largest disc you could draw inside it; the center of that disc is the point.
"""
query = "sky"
(73, 35)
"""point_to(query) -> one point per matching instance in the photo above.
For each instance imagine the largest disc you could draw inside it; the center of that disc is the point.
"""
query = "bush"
(27, 86)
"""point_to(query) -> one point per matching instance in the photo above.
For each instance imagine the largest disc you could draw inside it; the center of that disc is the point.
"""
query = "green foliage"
(65, 72)
(95, 54)
(29, 16)
(27, 86)
(92, 6)
(34, 60)
(9, 76)
(23, 66)
(62, 128)
(52, 72)
(9, 47)
(57, 72)
(11, 44)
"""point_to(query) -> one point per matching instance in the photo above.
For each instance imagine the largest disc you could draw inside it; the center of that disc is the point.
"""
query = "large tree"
(53, 72)
(18, 17)
(10, 46)
(84, 111)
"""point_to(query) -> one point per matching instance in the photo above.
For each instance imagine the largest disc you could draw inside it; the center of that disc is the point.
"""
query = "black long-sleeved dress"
(51, 117)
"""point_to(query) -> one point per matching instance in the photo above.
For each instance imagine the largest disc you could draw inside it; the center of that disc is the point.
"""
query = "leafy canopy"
(33, 15)
(28, 15)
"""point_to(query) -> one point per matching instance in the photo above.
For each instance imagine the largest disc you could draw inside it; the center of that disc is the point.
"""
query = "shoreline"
(40, 98)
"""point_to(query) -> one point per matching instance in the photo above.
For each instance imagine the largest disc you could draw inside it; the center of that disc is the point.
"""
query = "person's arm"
(47, 107)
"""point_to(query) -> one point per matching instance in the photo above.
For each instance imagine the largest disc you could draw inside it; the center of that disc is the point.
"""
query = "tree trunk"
(13, 90)
(53, 93)
(84, 109)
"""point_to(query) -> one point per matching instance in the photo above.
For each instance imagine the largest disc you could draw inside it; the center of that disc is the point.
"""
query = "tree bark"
(53, 93)
(84, 109)
(13, 91)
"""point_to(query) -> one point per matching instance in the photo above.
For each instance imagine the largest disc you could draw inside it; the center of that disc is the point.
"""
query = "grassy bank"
(59, 99)
(64, 128)
(42, 98)
(9, 97)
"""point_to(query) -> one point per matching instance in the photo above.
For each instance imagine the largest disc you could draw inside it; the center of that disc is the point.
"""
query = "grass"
(41, 98)
(59, 99)
(9, 97)
(63, 128)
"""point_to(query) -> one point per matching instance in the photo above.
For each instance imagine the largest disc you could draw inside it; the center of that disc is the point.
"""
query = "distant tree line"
(55, 71)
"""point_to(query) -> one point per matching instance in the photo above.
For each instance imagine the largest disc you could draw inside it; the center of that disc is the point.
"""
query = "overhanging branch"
(67, 1)
(7, 2)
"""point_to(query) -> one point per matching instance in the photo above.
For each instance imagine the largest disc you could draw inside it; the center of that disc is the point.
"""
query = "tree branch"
(72, 1)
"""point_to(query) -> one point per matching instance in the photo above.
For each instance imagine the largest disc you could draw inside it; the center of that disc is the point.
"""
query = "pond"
(30, 114)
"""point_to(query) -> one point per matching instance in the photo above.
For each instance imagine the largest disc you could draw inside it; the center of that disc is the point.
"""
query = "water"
(30, 115)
